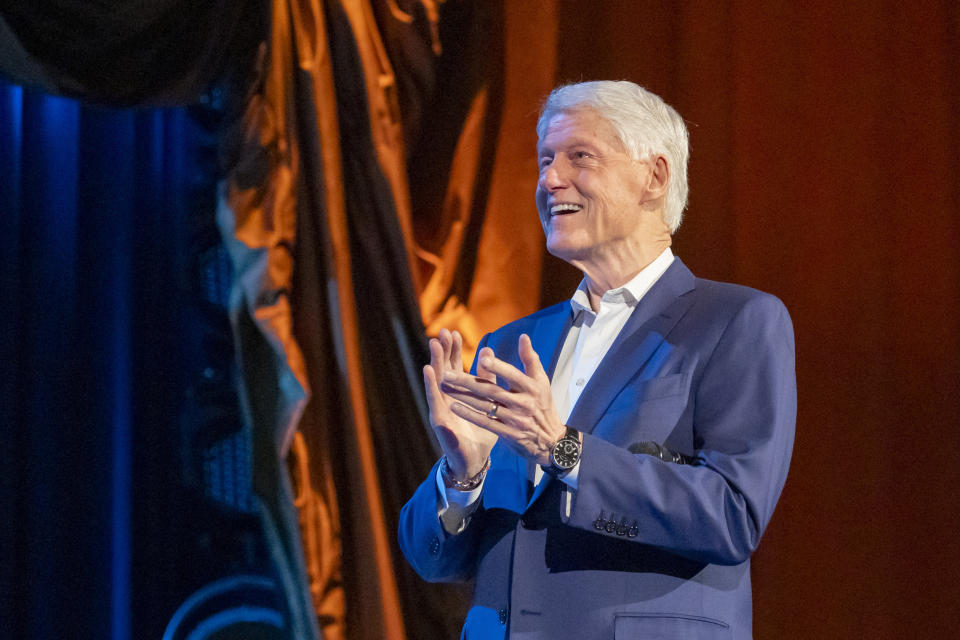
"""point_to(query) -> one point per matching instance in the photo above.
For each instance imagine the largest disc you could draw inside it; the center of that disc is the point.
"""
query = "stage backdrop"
(382, 172)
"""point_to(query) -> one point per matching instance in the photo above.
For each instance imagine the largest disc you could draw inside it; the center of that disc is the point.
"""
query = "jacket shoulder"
(736, 297)
(527, 323)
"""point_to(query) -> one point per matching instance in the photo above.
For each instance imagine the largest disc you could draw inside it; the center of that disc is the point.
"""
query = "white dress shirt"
(590, 337)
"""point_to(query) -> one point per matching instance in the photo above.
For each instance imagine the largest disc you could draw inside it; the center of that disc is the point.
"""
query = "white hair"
(644, 124)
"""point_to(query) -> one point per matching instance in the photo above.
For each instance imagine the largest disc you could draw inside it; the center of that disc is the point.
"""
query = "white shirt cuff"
(570, 479)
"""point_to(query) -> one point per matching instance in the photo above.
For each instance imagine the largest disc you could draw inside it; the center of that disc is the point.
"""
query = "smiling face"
(601, 210)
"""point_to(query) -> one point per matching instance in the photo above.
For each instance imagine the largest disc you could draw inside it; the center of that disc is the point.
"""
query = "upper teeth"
(564, 206)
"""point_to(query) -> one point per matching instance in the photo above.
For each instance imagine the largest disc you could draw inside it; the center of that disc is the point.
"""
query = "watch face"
(566, 453)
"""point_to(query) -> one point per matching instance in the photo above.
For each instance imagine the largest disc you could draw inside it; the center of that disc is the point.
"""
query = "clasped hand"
(470, 413)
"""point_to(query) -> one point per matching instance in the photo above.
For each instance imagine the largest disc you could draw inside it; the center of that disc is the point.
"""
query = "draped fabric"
(380, 185)
(126, 52)
(94, 340)
(165, 52)
(351, 162)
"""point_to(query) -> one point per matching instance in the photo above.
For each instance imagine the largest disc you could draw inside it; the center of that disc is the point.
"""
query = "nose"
(552, 177)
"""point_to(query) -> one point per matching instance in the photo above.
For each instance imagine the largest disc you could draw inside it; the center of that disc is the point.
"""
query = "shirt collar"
(630, 293)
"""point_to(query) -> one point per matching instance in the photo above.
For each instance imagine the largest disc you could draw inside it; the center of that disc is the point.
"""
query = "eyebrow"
(575, 142)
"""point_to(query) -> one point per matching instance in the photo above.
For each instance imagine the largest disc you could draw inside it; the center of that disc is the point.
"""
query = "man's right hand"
(466, 446)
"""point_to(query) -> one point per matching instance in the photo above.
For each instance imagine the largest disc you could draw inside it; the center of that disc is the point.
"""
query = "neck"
(603, 275)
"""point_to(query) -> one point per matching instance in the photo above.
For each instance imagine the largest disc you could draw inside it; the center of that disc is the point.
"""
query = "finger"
(484, 404)
(481, 420)
(478, 394)
(482, 372)
(446, 341)
(457, 380)
(436, 356)
(517, 380)
(530, 358)
(434, 395)
(456, 352)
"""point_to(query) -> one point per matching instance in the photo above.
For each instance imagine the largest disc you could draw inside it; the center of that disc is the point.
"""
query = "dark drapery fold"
(127, 52)
(391, 342)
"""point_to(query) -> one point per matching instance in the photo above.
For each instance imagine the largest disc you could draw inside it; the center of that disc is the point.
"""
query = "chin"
(564, 249)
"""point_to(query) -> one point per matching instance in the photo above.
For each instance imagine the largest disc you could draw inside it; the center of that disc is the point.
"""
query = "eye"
(545, 162)
(580, 155)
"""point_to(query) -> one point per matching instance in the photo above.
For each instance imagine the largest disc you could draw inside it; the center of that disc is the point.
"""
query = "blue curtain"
(93, 252)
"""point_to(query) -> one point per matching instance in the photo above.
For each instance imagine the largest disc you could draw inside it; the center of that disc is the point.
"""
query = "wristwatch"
(565, 454)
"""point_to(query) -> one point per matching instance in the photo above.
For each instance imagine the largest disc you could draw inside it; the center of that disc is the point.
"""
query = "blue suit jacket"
(651, 549)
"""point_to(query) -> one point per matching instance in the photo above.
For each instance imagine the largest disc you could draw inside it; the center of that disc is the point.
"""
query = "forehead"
(580, 126)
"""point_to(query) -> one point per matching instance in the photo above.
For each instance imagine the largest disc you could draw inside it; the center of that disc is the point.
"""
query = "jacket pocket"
(647, 410)
(671, 385)
(669, 626)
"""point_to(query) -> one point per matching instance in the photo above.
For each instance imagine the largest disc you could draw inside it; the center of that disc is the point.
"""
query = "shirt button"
(581, 382)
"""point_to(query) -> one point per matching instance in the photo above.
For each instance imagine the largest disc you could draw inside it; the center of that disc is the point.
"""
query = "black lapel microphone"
(660, 451)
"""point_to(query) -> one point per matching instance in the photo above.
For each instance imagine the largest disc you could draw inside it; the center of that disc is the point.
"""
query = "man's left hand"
(524, 417)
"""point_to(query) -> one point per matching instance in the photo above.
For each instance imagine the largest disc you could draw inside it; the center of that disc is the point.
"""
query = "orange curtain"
(328, 122)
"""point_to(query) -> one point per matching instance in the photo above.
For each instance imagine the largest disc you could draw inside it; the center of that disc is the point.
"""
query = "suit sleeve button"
(502, 615)
(434, 546)
(622, 527)
(611, 525)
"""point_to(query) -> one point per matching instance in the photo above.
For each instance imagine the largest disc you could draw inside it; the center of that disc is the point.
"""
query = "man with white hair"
(612, 461)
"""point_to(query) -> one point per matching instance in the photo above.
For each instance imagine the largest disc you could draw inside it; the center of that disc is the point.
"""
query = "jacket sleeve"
(434, 554)
(715, 509)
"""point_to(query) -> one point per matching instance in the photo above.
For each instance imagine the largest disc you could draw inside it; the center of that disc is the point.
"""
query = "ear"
(659, 178)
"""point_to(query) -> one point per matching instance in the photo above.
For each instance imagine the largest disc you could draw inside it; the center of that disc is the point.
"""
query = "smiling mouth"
(564, 208)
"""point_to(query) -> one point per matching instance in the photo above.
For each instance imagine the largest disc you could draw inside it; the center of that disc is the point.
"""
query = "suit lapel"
(649, 324)
(656, 314)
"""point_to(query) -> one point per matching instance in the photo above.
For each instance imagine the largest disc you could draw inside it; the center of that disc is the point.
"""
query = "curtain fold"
(389, 211)
(127, 52)
(455, 53)
(93, 207)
